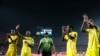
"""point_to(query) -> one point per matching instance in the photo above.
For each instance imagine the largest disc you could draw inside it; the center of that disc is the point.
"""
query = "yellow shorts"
(92, 52)
(11, 53)
(25, 53)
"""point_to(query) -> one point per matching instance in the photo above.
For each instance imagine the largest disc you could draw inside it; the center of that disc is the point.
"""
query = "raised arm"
(63, 32)
(72, 36)
(85, 17)
(18, 33)
(90, 21)
(16, 28)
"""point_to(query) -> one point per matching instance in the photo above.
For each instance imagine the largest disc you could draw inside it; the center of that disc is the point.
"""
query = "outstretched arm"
(18, 33)
(16, 28)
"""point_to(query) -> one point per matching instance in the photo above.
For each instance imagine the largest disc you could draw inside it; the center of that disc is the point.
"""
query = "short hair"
(71, 26)
(46, 33)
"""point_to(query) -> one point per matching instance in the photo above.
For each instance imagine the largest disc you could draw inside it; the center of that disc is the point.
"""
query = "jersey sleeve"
(99, 29)
(32, 41)
(87, 30)
(75, 34)
(51, 40)
(66, 37)
(16, 37)
(9, 40)
(41, 41)
(23, 37)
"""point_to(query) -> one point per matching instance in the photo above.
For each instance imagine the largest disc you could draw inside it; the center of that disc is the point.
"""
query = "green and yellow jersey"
(46, 44)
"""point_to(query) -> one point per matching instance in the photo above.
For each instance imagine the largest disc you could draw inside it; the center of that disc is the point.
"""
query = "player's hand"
(8, 34)
(63, 27)
(85, 18)
(17, 27)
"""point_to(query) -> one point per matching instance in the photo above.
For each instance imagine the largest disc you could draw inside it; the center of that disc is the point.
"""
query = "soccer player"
(70, 37)
(93, 33)
(12, 39)
(46, 44)
(28, 43)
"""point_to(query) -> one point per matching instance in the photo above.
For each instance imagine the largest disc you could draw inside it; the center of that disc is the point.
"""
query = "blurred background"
(39, 15)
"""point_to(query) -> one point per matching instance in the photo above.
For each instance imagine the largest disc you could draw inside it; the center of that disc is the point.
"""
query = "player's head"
(28, 33)
(12, 31)
(69, 28)
(89, 23)
(46, 34)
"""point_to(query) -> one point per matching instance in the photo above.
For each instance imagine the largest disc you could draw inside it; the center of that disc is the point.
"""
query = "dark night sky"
(31, 14)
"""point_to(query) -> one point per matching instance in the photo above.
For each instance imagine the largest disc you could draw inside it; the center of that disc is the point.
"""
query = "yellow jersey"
(71, 43)
(93, 35)
(29, 41)
(13, 46)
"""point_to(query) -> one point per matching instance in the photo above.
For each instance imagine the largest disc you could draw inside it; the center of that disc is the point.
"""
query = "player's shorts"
(92, 52)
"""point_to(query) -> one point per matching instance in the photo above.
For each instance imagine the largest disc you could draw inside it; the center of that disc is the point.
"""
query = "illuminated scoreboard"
(43, 31)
